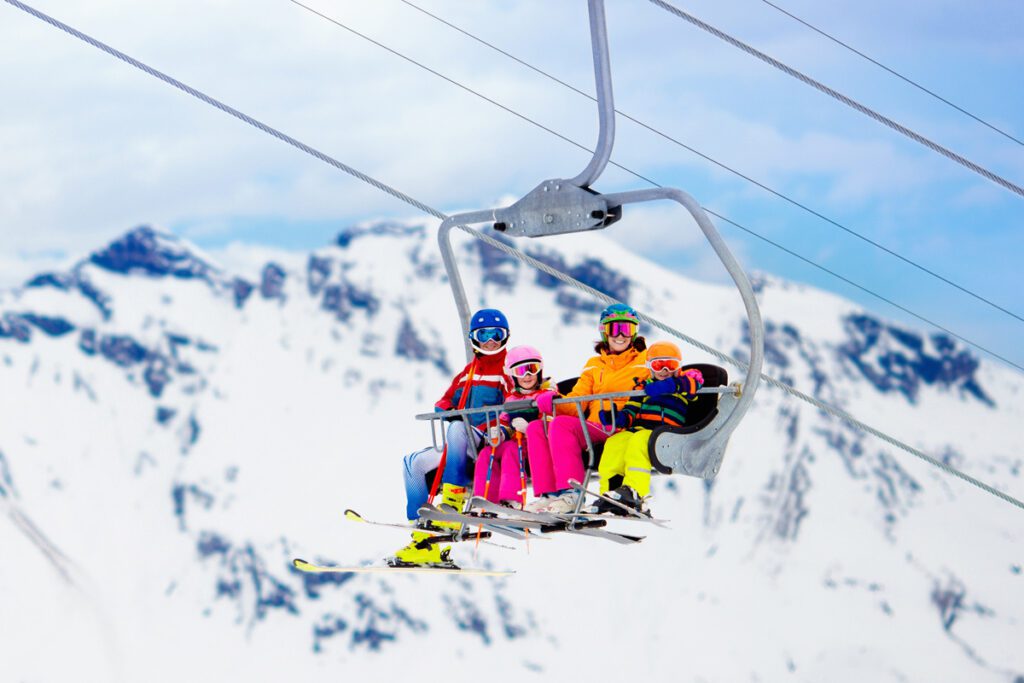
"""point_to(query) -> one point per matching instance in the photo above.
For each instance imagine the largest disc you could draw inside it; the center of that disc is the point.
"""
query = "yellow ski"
(304, 566)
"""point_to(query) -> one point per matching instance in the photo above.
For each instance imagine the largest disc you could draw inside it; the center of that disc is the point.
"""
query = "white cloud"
(94, 147)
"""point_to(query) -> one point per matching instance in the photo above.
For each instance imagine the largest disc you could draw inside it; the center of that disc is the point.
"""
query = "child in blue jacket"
(668, 392)
(481, 383)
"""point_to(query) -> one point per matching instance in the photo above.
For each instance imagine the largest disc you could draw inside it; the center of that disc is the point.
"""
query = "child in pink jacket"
(524, 366)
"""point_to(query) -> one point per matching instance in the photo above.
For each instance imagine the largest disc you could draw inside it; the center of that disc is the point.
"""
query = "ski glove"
(545, 402)
(621, 420)
(495, 435)
(442, 405)
(687, 384)
(691, 381)
(662, 387)
(519, 424)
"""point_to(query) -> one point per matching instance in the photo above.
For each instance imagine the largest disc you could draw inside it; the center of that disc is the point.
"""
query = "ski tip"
(300, 564)
(353, 516)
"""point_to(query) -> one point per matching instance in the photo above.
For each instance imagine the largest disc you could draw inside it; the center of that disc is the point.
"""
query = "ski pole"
(493, 438)
(444, 451)
(522, 482)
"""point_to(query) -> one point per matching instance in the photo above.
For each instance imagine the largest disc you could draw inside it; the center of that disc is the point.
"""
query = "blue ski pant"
(456, 469)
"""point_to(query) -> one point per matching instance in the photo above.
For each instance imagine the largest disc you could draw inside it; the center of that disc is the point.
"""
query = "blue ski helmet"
(486, 325)
(488, 317)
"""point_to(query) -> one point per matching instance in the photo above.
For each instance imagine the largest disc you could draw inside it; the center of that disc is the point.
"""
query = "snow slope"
(174, 430)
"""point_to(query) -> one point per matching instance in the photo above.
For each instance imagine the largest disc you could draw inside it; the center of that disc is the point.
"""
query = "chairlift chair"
(560, 206)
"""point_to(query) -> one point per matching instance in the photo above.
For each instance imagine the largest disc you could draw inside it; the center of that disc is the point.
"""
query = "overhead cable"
(654, 183)
(835, 412)
(853, 104)
(704, 156)
(891, 71)
(829, 409)
(864, 289)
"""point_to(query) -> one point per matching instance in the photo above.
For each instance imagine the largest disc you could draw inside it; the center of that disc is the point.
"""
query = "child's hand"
(545, 402)
(621, 420)
(690, 382)
(662, 387)
(519, 424)
(495, 435)
(686, 384)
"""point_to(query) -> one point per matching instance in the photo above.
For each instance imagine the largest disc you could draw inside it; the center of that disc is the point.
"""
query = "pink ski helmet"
(522, 355)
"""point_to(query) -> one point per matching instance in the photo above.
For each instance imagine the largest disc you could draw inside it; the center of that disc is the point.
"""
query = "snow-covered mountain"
(173, 430)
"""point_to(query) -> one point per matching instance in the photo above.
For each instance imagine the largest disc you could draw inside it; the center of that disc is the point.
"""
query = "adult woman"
(556, 458)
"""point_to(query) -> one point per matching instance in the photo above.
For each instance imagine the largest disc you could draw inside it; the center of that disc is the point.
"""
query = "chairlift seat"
(699, 413)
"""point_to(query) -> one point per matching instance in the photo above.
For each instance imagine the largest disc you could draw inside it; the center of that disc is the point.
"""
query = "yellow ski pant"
(625, 454)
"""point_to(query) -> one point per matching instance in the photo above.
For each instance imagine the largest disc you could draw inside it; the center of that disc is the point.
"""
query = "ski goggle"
(530, 367)
(658, 364)
(482, 335)
(620, 328)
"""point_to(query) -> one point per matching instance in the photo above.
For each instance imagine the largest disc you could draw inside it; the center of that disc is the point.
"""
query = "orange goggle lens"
(664, 364)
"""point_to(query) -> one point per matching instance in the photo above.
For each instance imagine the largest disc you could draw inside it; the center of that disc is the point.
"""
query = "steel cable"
(835, 94)
(707, 158)
(835, 412)
(654, 183)
(895, 73)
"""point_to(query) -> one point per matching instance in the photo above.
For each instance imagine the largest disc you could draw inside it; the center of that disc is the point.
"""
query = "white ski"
(633, 514)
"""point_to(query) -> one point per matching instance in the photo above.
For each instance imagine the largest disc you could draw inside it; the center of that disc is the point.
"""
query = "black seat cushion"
(699, 413)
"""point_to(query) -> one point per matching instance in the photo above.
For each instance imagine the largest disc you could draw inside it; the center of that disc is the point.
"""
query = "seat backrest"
(699, 412)
(566, 385)
(705, 404)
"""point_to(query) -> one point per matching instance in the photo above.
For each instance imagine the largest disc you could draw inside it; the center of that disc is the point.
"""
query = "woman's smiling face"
(619, 344)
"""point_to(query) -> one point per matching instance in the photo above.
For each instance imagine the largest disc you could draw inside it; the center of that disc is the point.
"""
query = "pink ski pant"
(506, 482)
(558, 457)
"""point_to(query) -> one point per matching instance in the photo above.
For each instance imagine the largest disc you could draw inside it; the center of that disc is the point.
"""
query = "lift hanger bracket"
(556, 207)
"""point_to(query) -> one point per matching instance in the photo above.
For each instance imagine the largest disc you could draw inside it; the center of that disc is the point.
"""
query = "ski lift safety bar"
(496, 410)
(528, 404)
(563, 206)
(720, 436)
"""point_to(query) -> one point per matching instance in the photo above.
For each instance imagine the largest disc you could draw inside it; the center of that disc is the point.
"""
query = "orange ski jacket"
(605, 374)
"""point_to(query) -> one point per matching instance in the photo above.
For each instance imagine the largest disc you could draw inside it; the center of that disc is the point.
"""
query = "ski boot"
(625, 495)
(421, 553)
(453, 499)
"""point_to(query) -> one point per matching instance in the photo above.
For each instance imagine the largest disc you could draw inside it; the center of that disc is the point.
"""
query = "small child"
(524, 367)
(481, 383)
(625, 454)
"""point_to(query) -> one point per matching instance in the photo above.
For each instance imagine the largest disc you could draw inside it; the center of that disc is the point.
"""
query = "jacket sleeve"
(631, 410)
(584, 387)
(505, 419)
(447, 401)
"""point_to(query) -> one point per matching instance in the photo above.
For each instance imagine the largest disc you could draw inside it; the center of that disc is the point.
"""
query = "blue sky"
(93, 147)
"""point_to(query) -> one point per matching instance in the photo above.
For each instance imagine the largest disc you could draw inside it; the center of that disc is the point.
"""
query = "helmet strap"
(486, 352)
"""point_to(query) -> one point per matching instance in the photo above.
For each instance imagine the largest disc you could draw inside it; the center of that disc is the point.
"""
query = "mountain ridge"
(204, 385)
